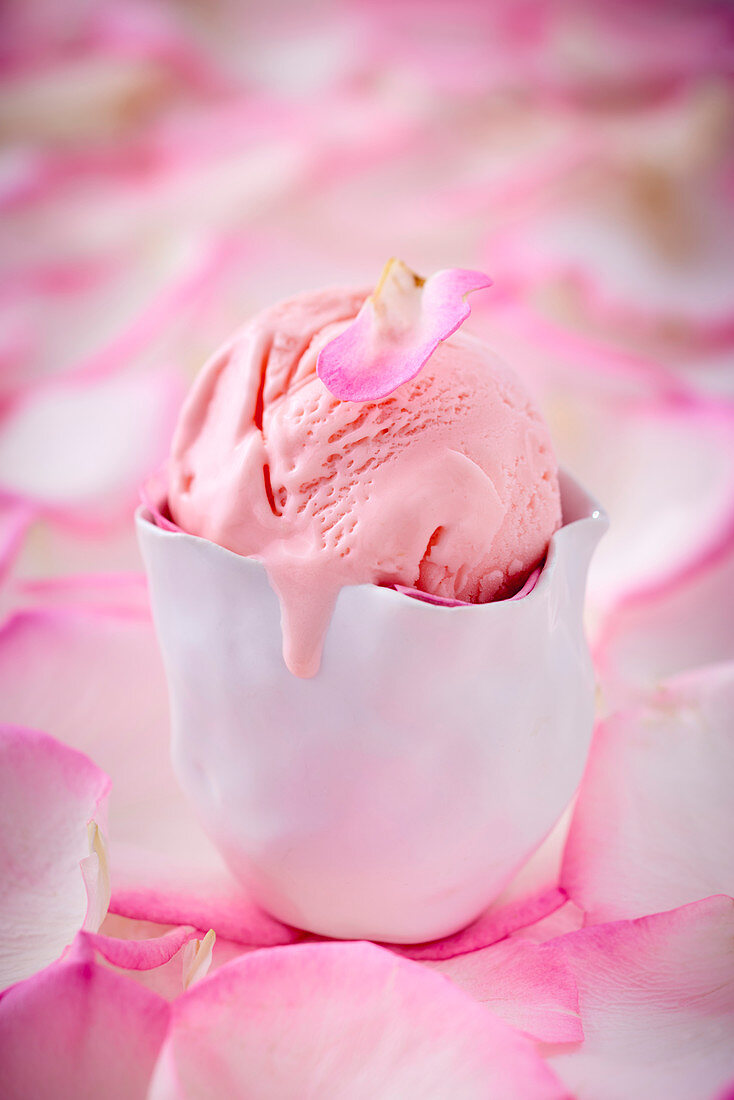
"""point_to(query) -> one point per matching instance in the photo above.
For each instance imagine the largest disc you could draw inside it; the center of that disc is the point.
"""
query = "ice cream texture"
(446, 485)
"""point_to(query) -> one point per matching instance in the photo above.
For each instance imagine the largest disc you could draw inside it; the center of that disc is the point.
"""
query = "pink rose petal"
(15, 518)
(341, 1019)
(55, 551)
(127, 309)
(499, 921)
(653, 825)
(619, 282)
(657, 1005)
(681, 623)
(80, 449)
(587, 53)
(77, 1030)
(140, 954)
(667, 480)
(166, 975)
(524, 907)
(399, 326)
(48, 795)
(523, 987)
(138, 31)
(124, 593)
(163, 867)
(172, 889)
(569, 918)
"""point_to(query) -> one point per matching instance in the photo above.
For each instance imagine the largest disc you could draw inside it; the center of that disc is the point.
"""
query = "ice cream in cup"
(367, 578)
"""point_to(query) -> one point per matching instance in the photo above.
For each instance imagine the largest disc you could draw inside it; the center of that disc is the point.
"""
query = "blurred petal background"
(168, 167)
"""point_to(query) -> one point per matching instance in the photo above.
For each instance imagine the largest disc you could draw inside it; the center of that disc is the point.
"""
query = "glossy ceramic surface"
(394, 795)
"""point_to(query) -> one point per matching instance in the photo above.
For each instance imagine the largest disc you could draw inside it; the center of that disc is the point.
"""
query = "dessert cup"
(393, 795)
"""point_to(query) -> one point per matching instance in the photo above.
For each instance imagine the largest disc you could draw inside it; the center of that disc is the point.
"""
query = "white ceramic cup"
(395, 794)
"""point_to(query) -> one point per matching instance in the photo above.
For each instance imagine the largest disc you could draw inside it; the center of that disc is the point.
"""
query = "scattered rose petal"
(522, 986)
(667, 481)
(399, 326)
(15, 519)
(78, 101)
(164, 868)
(49, 795)
(654, 819)
(78, 1029)
(53, 552)
(80, 449)
(619, 281)
(569, 918)
(124, 594)
(499, 921)
(341, 1019)
(657, 1005)
(155, 944)
(146, 954)
(524, 908)
(684, 622)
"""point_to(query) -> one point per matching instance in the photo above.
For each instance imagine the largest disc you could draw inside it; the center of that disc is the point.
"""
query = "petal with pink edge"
(657, 1005)
(140, 954)
(397, 329)
(169, 969)
(345, 1019)
(500, 920)
(524, 988)
(163, 867)
(48, 795)
(125, 308)
(527, 902)
(78, 1029)
(665, 473)
(678, 624)
(654, 821)
(15, 518)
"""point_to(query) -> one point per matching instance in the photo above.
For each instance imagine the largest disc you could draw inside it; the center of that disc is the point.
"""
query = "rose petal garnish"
(657, 1004)
(653, 772)
(341, 1019)
(399, 326)
(48, 795)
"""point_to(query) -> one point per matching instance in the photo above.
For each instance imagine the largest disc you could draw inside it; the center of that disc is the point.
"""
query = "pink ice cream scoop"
(446, 484)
